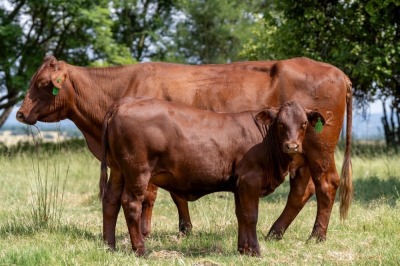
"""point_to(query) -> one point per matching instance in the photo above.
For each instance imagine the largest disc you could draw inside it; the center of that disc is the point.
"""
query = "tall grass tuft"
(47, 189)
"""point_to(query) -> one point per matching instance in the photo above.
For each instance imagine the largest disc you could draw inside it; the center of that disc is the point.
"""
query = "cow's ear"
(59, 73)
(315, 116)
(267, 116)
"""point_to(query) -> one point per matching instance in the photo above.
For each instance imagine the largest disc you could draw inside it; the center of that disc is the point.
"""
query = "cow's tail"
(103, 168)
(346, 185)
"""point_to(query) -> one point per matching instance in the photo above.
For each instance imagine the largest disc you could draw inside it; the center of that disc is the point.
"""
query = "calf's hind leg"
(132, 200)
(147, 208)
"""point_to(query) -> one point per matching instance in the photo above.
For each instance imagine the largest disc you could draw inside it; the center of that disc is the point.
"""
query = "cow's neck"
(95, 90)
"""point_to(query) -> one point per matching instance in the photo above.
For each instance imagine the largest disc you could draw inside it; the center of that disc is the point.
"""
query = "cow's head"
(290, 122)
(47, 99)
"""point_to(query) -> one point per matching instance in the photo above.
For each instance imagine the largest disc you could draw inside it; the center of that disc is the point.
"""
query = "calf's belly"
(189, 187)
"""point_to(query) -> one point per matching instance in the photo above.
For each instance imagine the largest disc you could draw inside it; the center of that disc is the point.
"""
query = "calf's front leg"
(301, 189)
(147, 208)
(246, 208)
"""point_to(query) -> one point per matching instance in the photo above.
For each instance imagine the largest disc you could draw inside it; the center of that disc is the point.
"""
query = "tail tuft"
(346, 185)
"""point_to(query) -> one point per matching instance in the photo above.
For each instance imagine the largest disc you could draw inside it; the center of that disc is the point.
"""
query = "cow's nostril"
(292, 146)
(19, 115)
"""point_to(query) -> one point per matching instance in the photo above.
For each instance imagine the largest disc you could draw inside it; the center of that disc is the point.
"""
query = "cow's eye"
(43, 84)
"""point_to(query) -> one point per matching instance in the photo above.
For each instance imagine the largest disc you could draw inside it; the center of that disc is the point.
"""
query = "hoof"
(254, 252)
(110, 246)
(316, 239)
(140, 252)
(145, 234)
(274, 235)
(185, 229)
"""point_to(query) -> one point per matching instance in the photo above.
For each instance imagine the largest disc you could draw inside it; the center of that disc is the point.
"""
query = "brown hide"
(86, 93)
(192, 152)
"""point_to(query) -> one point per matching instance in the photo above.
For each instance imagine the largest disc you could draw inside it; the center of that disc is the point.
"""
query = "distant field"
(72, 235)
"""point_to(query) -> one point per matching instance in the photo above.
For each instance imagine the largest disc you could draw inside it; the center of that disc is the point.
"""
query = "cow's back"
(241, 86)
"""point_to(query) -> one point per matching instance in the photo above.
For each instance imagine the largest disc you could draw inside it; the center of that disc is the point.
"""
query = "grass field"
(68, 232)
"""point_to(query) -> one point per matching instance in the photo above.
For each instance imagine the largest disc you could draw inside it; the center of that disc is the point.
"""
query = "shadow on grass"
(372, 188)
(366, 191)
(16, 228)
(195, 245)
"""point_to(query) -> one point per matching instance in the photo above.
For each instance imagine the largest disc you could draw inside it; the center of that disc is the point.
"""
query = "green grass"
(369, 237)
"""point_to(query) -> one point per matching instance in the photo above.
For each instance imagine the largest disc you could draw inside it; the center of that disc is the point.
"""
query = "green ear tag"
(318, 126)
(55, 91)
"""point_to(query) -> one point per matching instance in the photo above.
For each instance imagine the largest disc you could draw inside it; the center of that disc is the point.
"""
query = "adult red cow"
(85, 94)
(192, 152)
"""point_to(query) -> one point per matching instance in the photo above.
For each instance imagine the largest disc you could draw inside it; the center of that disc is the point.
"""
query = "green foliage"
(211, 31)
(49, 148)
(360, 37)
(78, 31)
(143, 26)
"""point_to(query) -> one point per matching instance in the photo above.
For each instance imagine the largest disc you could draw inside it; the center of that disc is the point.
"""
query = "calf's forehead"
(292, 112)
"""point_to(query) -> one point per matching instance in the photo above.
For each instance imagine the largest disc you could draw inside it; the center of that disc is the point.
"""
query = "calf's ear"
(59, 74)
(314, 116)
(267, 116)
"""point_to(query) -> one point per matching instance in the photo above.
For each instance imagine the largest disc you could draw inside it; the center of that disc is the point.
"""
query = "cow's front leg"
(111, 204)
(301, 189)
(132, 200)
(246, 208)
(147, 208)
(185, 225)
(326, 180)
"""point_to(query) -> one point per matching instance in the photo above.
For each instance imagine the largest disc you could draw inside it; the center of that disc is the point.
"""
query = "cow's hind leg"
(301, 189)
(111, 206)
(147, 208)
(326, 180)
(132, 199)
(185, 225)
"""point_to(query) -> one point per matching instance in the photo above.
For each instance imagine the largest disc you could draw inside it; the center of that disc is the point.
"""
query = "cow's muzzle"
(23, 119)
(292, 148)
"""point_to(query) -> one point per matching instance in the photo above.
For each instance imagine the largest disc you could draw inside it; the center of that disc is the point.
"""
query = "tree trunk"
(5, 114)
(391, 126)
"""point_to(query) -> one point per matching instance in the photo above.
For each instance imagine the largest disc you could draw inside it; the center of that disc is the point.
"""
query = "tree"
(210, 31)
(360, 37)
(142, 26)
(77, 30)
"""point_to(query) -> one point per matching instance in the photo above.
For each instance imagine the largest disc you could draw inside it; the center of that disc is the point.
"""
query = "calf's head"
(289, 123)
(47, 99)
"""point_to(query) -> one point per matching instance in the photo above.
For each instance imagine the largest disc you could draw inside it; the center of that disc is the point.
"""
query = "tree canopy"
(77, 30)
(359, 37)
